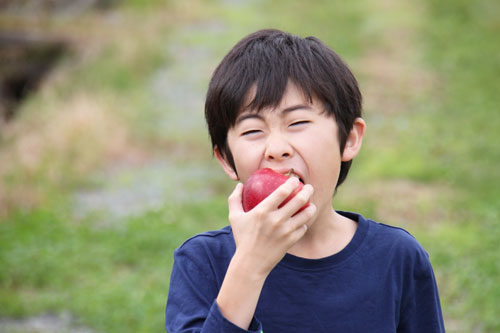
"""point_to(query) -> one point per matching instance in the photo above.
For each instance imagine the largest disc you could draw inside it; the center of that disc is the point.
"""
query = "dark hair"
(270, 59)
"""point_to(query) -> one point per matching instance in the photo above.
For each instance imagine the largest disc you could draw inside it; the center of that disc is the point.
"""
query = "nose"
(278, 148)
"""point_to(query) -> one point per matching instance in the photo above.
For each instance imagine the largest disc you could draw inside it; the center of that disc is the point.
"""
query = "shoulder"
(376, 235)
(199, 267)
(387, 245)
(401, 247)
(393, 236)
(217, 242)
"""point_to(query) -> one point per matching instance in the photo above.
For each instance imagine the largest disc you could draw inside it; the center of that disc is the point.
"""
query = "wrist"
(240, 292)
(248, 268)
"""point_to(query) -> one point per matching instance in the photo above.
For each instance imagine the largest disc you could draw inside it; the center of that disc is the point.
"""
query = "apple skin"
(262, 183)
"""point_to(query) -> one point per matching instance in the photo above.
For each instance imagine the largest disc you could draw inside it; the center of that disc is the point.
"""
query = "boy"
(284, 102)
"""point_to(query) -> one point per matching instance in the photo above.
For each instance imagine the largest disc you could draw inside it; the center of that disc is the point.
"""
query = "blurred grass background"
(106, 167)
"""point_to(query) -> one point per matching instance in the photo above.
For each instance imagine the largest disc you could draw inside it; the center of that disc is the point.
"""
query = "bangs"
(263, 71)
(276, 68)
(263, 63)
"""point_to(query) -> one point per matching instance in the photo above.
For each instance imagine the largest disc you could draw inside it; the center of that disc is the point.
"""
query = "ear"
(228, 169)
(354, 140)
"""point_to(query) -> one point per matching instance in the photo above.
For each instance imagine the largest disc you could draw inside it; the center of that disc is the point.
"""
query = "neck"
(329, 234)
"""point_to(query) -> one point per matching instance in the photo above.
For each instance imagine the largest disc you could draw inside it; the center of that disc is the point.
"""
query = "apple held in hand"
(262, 183)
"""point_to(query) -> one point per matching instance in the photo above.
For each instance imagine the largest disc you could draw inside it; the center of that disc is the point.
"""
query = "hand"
(264, 234)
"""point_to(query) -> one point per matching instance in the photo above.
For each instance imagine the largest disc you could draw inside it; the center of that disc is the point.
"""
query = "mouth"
(291, 173)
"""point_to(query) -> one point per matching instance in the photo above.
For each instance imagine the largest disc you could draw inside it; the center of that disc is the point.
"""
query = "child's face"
(297, 134)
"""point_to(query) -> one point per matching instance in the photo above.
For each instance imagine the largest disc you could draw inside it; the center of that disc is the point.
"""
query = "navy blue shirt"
(382, 281)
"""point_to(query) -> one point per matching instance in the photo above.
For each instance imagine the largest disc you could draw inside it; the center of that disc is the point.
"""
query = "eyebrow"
(251, 115)
(297, 107)
(246, 116)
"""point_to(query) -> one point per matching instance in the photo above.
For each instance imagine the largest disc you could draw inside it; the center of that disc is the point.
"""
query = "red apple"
(262, 183)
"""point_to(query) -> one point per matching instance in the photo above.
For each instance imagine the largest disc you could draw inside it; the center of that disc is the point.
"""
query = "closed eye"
(302, 122)
(249, 132)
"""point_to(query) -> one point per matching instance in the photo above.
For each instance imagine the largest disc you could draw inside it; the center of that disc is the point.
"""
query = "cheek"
(246, 160)
(324, 161)
(323, 149)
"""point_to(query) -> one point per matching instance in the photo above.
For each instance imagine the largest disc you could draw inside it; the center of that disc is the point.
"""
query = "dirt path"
(48, 323)
(180, 173)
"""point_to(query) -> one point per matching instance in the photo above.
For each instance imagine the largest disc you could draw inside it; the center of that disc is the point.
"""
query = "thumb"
(235, 199)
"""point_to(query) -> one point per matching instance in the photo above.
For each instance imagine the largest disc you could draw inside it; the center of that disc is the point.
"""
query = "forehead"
(293, 99)
(291, 95)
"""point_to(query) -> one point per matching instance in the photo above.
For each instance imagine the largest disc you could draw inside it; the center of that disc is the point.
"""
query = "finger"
(298, 233)
(303, 219)
(279, 195)
(234, 201)
(298, 201)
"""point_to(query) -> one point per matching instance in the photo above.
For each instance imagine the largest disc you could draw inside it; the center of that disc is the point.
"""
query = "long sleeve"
(421, 307)
(194, 285)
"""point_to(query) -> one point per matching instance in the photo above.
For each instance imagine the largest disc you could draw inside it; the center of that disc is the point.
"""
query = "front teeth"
(292, 174)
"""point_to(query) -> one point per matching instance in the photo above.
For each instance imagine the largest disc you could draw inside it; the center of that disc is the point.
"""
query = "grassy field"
(107, 168)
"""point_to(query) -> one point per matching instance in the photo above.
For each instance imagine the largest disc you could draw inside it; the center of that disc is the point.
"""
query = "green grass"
(114, 276)
(465, 121)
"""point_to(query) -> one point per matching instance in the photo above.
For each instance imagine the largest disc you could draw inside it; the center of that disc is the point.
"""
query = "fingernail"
(312, 207)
